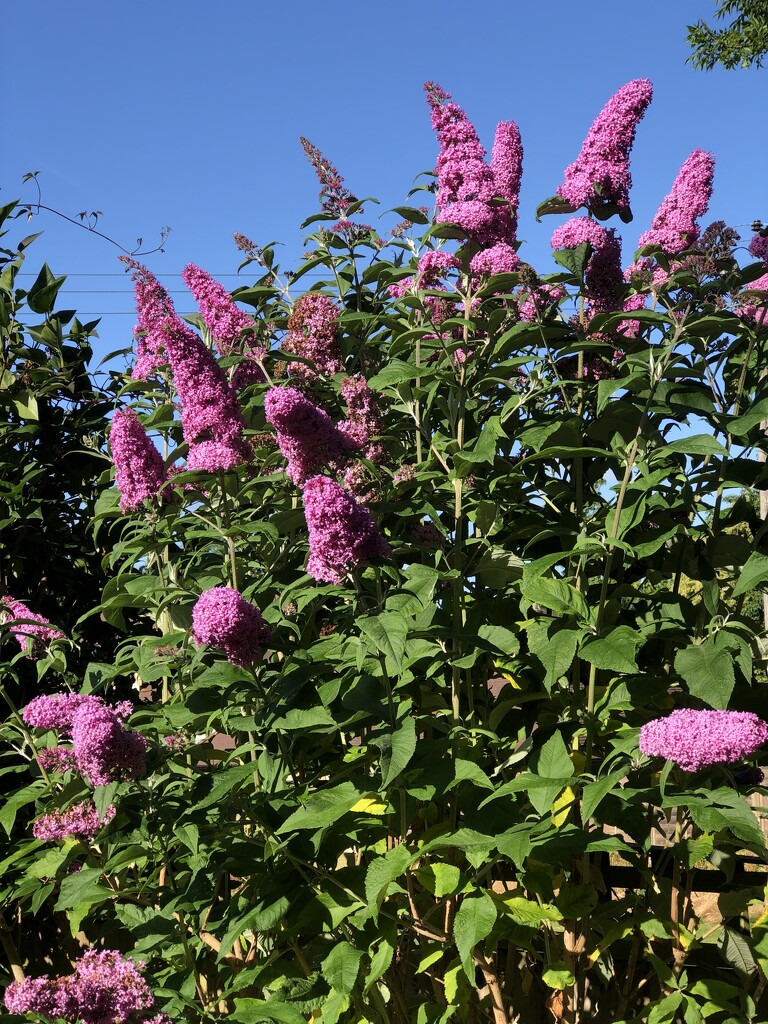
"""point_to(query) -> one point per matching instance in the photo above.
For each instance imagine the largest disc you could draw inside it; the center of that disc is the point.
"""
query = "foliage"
(741, 43)
(424, 799)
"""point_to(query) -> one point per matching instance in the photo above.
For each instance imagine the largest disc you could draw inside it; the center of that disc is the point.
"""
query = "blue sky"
(188, 112)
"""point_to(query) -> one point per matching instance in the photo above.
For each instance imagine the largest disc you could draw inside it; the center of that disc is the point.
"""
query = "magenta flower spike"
(674, 227)
(306, 434)
(600, 175)
(342, 535)
(139, 469)
(228, 324)
(223, 618)
(33, 634)
(698, 739)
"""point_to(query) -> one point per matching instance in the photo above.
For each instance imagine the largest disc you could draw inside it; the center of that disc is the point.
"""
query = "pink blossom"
(139, 469)
(35, 633)
(212, 456)
(154, 307)
(465, 183)
(600, 174)
(750, 307)
(58, 710)
(697, 739)
(104, 749)
(498, 259)
(758, 246)
(209, 406)
(435, 264)
(227, 323)
(342, 535)
(306, 434)
(223, 618)
(674, 227)
(105, 988)
(603, 273)
(80, 821)
(363, 421)
(312, 334)
(507, 169)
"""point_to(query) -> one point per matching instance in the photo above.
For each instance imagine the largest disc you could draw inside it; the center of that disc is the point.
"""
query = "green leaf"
(560, 597)
(341, 967)
(410, 213)
(554, 645)
(474, 921)
(614, 652)
(83, 888)
(707, 671)
(381, 873)
(574, 259)
(754, 573)
(380, 962)
(530, 913)
(594, 792)
(26, 405)
(260, 1011)
(553, 761)
(558, 976)
(696, 444)
(439, 879)
(576, 901)
(736, 951)
(16, 801)
(387, 631)
(395, 372)
(323, 808)
(42, 294)
(397, 749)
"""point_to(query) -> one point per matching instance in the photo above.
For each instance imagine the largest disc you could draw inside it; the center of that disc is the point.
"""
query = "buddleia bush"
(433, 692)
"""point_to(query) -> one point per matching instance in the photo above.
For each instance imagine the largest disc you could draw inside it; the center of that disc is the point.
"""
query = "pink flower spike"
(674, 227)
(223, 618)
(139, 469)
(227, 323)
(698, 739)
(600, 174)
(342, 535)
(33, 634)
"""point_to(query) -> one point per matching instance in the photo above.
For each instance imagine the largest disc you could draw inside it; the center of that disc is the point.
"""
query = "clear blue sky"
(188, 112)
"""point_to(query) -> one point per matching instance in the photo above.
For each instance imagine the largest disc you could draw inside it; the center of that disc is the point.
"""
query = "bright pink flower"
(758, 247)
(80, 821)
(228, 324)
(223, 618)
(105, 988)
(674, 227)
(507, 169)
(600, 174)
(435, 264)
(498, 259)
(35, 633)
(58, 710)
(465, 184)
(306, 434)
(749, 307)
(154, 306)
(696, 739)
(209, 407)
(104, 749)
(312, 334)
(603, 274)
(342, 535)
(139, 469)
